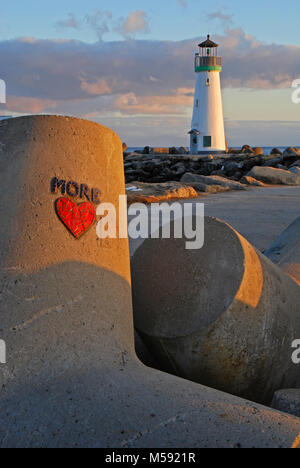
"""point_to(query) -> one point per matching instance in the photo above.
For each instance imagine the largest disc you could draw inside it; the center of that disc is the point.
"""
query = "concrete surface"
(72, 378)
(285, 251)
(287, 401)
(222, 315)
(259, 214)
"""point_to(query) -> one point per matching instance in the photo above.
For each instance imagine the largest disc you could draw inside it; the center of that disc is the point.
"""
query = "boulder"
(139, 192)
(272, 176)
(182, 150)
(290, 152)
(247, 149)
(295, 170)
(146, 150)
(258, 150)
(226, 321)
(234, 151)
(231, 168)
(287, 401)
(212, 180)
(273, 162)
(208, 188)
(285, 251)
(250, 181)
(296, 164)
(133, 156)
(276, 151)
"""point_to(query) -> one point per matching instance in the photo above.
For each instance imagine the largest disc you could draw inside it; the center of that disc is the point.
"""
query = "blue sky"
(269, 20)
(129, 65)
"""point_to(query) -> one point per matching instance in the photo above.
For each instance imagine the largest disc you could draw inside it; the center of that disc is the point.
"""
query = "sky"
(129, 65)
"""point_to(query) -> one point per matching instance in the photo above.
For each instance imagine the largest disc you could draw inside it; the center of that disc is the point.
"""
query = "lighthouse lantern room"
(207, 133)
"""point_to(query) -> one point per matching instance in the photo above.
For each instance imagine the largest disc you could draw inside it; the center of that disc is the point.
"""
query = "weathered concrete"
(287, 401)
(72, 378)
(285, 251)
(224, 315)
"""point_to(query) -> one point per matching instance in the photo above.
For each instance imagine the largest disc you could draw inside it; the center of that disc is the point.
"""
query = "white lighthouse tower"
(207, 133)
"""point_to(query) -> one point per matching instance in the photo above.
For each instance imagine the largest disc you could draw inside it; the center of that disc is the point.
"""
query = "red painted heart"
(77, 218)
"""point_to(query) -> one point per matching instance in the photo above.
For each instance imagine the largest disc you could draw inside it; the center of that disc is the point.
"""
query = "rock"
(295, 164)
(280, 166)
(146, 150)
(180, 169)
(124, 147)
(258, 150)
(231, 168)
(250, 181)
(247, 149)
(295, 170)
(287, 401)
(182, 150)
(216, 173)
(208, 188)
(290, 152)
(172, 150)
(226, 321)
(234, 151)
(273, 162)
(275, 151)
(249, 163)
(212, 180)
(154, 193)
(272, 176)
(285, 251)
(133, 156)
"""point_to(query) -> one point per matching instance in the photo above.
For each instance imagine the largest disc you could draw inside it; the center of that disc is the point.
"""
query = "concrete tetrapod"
(285, 251)
(72, 378)
(223, 315)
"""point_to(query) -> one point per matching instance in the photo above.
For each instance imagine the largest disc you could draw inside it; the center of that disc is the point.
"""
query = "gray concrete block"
(287, 401)
(223, 316)
(285, 251)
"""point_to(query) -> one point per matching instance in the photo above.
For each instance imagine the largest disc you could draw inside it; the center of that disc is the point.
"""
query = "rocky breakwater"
(235, 170)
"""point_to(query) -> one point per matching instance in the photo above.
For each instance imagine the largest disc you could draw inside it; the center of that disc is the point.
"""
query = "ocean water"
(266, 149)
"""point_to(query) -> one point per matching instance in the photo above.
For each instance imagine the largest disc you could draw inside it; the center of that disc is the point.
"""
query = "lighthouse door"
(194, 144)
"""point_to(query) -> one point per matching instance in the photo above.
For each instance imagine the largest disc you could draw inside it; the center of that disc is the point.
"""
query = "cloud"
(176, 103)
(71, 22)
(226, 20)
(96, 88)
(133, 77)
(29, 105)
(183, 3)
(136, 22)
(99, 22)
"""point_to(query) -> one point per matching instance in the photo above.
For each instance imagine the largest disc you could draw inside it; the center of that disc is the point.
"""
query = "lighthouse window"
(197, 103)
(207, 82)
(207, 141)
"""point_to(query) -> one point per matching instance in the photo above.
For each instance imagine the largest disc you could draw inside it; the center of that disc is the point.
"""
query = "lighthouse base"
(208, 152)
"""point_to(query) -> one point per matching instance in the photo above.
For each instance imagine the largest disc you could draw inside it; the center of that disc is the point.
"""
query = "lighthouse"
(207, 133)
